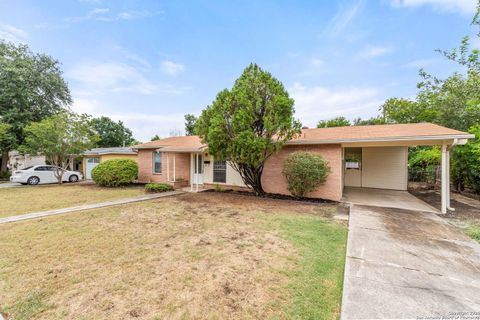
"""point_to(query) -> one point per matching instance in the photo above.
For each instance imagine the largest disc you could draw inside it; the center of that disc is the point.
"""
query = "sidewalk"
(40, 214)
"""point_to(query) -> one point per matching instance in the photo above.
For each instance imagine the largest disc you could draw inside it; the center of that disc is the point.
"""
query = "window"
(41, 169)
(220, 171)
(93, 160)
(157, 162)
(199, 166)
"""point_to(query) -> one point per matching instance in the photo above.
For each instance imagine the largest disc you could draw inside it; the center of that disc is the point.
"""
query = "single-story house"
(93, 157)
(18, 161)
(359, 156)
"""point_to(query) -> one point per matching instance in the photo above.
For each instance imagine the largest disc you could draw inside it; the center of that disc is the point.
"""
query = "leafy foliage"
(7, 138)
(59, 138)
(155, 138)
(249, 123)
(305, 172)
(190, 121)
(112, 134)
(31, 89)
(368, 122)
(335, 122)
(115, 172)
(425, 158)
(158, 187)
(466, 163)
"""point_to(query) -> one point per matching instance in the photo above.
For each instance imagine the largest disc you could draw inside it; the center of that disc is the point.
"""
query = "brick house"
(359, 156)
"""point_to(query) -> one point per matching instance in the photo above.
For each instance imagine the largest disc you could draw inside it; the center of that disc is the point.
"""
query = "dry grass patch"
(39, 198)
(203, 256)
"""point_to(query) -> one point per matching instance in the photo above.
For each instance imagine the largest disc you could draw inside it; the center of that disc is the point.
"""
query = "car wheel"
(73, 178)
(33, 180)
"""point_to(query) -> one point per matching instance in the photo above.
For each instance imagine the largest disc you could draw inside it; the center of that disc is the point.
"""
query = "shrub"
(115, 172)
(158, 187)
(5, 175)
(305, 172)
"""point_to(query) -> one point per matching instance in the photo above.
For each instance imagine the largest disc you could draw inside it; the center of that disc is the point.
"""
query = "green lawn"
(201, 256)
(39, 198)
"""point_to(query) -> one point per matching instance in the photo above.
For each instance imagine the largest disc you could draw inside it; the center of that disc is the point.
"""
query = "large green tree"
(335, 122)
(249, 123)
(31, 89)
(60, 138)
(190, 121)
(452, 102)
(112, 134)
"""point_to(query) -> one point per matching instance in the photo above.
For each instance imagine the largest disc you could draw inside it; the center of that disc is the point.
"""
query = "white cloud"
(116, 77)
(171, 68)
(421, 63)
(104, 14)
(315, 103)
(317, 62)
(343, 17)
(12, 34)
(463, 6)
(374, 52)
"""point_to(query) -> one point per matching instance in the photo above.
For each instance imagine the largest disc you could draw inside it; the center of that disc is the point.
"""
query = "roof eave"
(393, 139)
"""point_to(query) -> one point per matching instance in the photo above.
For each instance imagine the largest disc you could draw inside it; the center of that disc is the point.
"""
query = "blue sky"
(148, 63)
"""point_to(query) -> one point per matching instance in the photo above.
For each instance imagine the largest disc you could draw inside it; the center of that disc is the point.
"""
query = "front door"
(198, 169)
(90, 164)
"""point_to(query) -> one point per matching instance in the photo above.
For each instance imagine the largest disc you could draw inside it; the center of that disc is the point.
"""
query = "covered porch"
(377, 172)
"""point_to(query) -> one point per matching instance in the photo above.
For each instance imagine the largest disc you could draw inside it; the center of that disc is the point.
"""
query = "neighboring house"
(18, 161)
(93, 157)
(359, 156)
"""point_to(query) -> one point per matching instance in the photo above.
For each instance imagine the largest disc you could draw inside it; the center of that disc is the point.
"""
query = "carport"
(373, 161)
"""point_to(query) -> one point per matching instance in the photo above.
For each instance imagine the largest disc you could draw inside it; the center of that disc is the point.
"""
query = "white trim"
(444, 179)
(382, 139)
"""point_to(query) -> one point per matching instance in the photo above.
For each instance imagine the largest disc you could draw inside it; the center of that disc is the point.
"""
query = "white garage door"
(385, 167)
(91, 163)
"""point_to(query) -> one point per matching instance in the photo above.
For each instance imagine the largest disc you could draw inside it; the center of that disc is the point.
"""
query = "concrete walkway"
(87, 207)
(408, 264)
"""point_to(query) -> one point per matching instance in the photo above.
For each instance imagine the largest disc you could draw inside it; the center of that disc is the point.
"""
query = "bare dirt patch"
(195, 256)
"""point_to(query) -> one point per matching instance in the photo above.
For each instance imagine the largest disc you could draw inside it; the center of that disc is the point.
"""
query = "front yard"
(193, 256)
(29, 199)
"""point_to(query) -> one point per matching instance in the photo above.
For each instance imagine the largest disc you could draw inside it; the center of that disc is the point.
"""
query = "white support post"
(192, 171)
(168, 166)
(196, 168)
(444, 181)
(174, 169)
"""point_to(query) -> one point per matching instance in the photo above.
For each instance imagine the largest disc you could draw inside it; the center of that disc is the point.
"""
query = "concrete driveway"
(408, 264)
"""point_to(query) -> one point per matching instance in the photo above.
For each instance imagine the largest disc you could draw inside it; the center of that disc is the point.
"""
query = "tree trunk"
(3, 166)
(251, 176)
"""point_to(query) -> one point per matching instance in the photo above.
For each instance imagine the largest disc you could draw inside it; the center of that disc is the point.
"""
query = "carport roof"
(372, 133)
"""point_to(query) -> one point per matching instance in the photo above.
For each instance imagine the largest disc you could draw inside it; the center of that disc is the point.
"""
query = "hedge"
(158, 187)
(115, 172)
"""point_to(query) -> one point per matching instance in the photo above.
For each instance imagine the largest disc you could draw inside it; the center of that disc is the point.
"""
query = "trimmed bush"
(158, 187)
(115, 172)
(305, 172)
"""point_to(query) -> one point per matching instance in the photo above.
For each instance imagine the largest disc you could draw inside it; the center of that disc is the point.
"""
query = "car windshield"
(27, 168)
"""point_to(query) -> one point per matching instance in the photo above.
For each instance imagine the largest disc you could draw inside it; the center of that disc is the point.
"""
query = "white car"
(43, 174)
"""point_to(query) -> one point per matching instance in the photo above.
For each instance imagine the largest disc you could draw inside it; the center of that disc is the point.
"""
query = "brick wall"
(274, 182)
(145, 166)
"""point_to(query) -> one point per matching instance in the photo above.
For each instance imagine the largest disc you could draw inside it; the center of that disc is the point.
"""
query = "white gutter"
(392, 139)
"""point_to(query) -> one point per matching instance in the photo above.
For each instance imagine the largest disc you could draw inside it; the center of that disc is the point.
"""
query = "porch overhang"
(393, 141)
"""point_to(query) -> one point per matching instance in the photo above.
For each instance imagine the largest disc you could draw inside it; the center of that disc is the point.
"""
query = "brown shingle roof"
(387, 132)
(183, 143)
(378, 132)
